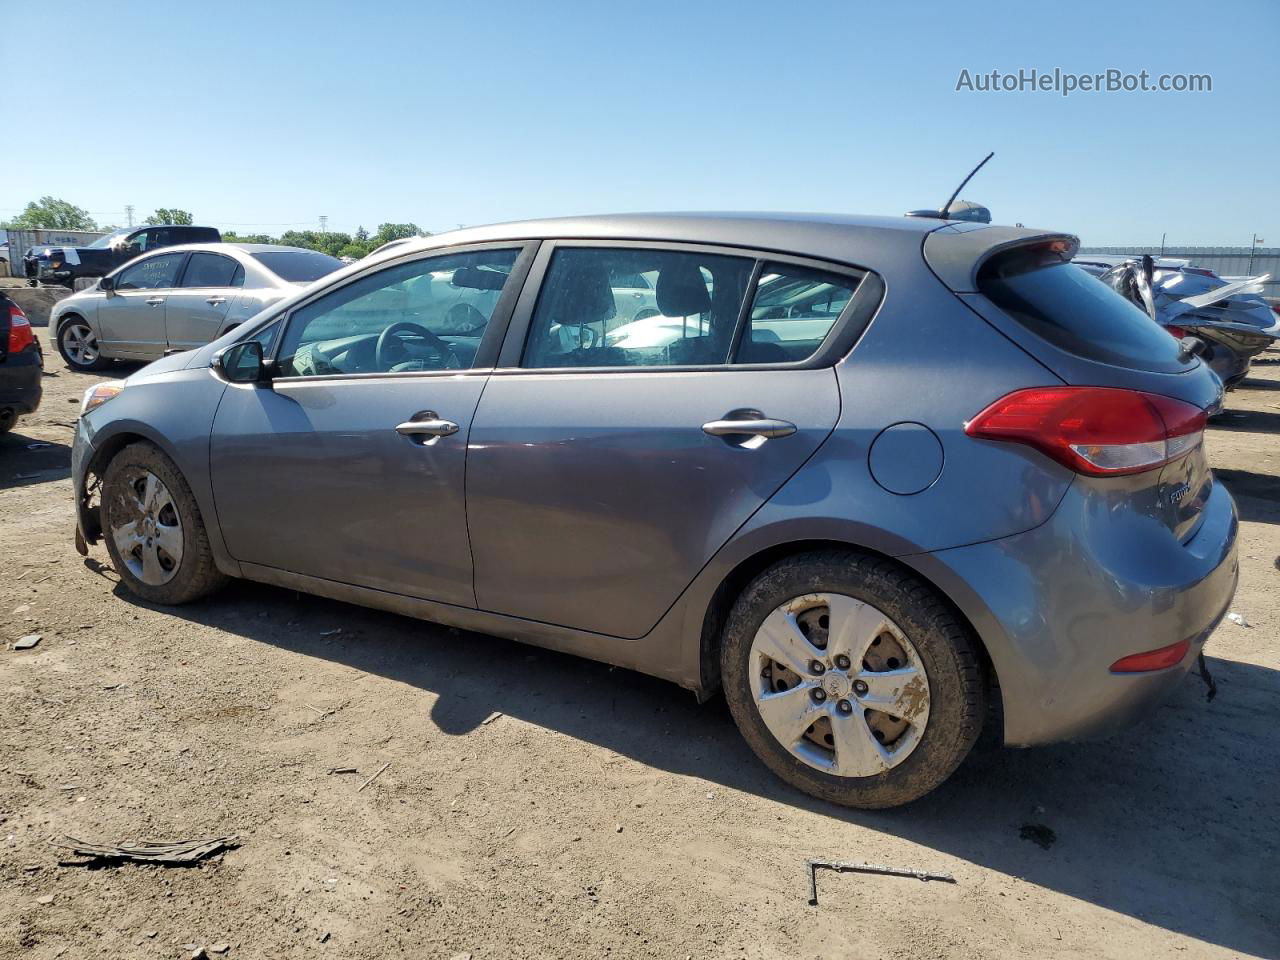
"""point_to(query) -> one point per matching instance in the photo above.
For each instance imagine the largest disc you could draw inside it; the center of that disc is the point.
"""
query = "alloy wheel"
(839, 685)
(80, 344)
(147, 529)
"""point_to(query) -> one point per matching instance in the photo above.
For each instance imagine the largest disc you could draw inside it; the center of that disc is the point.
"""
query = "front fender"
(173, 410)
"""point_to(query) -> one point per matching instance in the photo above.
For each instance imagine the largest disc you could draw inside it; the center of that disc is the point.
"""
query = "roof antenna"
(952, 199)
(968, 211)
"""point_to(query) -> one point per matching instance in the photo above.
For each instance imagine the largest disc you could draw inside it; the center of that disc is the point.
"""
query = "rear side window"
(1075, 312)
(793, 311)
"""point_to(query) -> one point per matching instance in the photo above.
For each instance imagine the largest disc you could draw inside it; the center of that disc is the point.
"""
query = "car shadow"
(26, 461)
(1172, 823)
(1257, 495)
(1246, 421)
(1254, 383)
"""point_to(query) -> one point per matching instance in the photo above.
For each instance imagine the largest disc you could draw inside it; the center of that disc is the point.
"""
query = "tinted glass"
(591, 312)
(424, 315)
(792, 312)
(298, 266)
(1078, 313)
(153, 273)
(212, 270)
(104, 242)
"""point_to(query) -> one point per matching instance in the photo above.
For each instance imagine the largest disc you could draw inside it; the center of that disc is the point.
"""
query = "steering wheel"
(382, 352)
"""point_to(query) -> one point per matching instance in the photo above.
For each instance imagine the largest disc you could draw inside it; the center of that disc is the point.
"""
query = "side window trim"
(495, 331)
(841, 338)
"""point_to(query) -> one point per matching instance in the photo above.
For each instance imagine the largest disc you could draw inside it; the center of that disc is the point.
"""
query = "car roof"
(850, 238)
(250, 248)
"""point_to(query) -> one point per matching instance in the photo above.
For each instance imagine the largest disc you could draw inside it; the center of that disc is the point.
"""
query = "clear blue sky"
(268, 114)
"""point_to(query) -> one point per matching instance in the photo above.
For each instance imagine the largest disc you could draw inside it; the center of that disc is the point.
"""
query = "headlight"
(99, 394)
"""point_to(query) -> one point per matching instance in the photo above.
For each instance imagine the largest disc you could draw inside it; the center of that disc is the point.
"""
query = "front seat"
(681, 291)
(581, 297)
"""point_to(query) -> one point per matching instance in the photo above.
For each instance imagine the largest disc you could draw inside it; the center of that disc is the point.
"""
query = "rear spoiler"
(956, 252)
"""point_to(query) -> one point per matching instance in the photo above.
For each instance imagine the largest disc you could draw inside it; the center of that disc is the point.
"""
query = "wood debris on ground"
(144, 851)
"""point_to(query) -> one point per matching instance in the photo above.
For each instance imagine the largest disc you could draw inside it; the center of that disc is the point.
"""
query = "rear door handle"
(155, 301)
(762, 427)
(427, 424)
(215, 301)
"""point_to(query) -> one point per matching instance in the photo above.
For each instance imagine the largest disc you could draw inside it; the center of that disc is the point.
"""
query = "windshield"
(106, 241)
(298, 266)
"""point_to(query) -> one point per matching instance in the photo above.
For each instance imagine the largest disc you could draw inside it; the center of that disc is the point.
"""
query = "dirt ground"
(602, 813)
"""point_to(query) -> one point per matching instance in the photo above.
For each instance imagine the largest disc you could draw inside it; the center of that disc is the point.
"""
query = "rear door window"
(212, 270)
(1064, 305)
(596, 309)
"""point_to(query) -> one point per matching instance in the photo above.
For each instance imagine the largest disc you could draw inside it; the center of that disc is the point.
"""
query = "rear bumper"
(1058, 605)
(20, 381)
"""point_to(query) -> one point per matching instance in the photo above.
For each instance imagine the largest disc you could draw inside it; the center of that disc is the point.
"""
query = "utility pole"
(1162, 236)
(1253, 246)
(128, 212)
(324, 224)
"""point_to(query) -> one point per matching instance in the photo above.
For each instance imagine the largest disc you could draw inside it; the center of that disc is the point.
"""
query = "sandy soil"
(602, 813)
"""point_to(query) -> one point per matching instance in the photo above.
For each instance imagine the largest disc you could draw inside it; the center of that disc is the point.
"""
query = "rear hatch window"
(1076, 312)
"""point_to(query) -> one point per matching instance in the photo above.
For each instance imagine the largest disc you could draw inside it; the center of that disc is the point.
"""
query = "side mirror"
(242, 362)
(107, 284)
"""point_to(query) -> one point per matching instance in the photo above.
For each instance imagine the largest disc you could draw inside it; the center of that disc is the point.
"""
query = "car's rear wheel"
(153, 528)
(78, 345)
(851, 679)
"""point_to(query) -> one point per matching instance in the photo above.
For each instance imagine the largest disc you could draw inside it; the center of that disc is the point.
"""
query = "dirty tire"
(197, 575)
(64, 328)
(946, 648)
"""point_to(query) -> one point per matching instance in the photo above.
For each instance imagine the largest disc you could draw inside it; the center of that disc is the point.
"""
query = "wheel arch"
(73, 314)
(747, 569)
(104, 451)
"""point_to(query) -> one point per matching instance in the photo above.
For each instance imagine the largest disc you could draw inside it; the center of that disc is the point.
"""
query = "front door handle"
(427, 424)
(215, 301)
(757, 427)
(155, 301)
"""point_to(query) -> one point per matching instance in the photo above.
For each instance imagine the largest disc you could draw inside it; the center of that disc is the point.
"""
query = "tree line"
(51, 213)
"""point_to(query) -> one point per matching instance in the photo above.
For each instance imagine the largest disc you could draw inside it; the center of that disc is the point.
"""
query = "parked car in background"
(178, 299)
(890, 472)
(1232, 321)
(21, 365)
(64, 265)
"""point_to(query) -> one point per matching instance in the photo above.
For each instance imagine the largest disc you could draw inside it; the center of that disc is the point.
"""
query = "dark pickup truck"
(21, 364)
(65, 265)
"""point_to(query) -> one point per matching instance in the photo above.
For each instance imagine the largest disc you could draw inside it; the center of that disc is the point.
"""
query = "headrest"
(682, 290)
(582, 294)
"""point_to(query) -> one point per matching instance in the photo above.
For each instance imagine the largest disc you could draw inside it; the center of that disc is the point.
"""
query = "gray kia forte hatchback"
(880, 480)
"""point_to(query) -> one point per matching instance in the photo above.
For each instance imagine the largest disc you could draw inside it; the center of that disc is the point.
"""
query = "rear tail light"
(1098, 431)
(20, 335)
(1160, 659)
(1176, 332)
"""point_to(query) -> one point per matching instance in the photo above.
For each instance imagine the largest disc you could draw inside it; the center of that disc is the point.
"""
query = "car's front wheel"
(153, 528)
(851, 679)
(78, 345)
